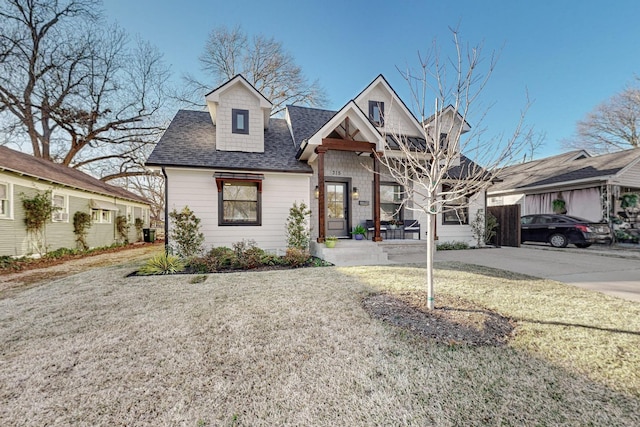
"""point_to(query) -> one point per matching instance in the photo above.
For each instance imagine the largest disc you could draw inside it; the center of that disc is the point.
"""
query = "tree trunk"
(431, 246)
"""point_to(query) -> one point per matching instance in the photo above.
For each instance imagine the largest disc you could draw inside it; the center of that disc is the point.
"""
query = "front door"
(337, 209)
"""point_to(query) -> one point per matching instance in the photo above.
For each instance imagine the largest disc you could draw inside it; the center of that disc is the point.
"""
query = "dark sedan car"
(560, 230)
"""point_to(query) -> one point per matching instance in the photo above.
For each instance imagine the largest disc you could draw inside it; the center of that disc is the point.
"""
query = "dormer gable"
(445, 126)
(386, 110)
(240, 114)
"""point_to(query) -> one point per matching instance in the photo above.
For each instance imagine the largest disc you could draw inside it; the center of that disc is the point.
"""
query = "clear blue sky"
(568, 55)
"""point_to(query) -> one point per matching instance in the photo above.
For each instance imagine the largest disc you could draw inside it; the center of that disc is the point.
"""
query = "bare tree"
(443, 171)
(261, 60)
(151, 187)
(612, 126)
(85, 97)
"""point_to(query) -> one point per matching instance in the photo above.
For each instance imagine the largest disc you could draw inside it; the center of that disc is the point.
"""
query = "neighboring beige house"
(22, 175)
(241, 170)
(591, 186)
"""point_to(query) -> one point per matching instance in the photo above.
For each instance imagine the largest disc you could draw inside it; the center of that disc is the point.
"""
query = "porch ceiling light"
(316, 192)
(354, 194)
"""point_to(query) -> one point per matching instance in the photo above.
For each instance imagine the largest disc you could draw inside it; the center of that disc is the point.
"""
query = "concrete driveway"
(613, 272)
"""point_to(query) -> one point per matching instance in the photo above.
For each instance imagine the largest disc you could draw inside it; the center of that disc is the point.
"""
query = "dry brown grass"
(273, 348)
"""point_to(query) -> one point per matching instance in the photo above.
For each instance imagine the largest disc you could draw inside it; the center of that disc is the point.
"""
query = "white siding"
(456, 233)
(197, 189)
(396, 120)
(239, 97)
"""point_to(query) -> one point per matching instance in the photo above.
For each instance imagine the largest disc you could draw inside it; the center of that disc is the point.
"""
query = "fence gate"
(508, 232)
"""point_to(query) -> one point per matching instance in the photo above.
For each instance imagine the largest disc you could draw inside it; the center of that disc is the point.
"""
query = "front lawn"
(299, 347)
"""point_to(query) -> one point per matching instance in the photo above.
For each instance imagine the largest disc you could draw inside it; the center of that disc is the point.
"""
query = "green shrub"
(61, 252)
(162, 264)
(296, 257)
(122, 228)
(247, 254)
(622, 235)
(452, 246)
(296, 226)
(10, 263)
(215, 260)
(185, 233)
(37, 211)
(139, 224)
(81, 224)
(272, 259)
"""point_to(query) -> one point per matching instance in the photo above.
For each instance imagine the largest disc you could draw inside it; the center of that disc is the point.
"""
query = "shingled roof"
(564, 168)
(307, 121)
(38, 168)
(190, 141)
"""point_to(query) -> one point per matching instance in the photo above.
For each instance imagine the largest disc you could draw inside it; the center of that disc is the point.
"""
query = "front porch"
(349, 252)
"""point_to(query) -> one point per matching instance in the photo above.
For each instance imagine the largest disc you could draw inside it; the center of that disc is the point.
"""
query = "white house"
(240, 170)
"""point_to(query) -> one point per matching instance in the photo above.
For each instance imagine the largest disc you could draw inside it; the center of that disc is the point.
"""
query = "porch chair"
(371, 228)
(411, 226)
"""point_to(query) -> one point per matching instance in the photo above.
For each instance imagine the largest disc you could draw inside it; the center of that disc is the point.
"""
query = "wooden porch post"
(321, 197)
(376, 199)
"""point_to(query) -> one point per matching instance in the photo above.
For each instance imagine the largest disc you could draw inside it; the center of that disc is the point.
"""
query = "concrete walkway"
(611, 271)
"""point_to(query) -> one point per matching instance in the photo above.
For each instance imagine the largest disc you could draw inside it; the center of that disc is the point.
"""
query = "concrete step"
(350, 252)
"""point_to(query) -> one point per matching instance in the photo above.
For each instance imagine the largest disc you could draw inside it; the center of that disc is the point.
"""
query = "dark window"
(376, 112)
(526, 220)
(443, 140)
(240, 121)
(240, 203)
(456, 209)
(390, 201)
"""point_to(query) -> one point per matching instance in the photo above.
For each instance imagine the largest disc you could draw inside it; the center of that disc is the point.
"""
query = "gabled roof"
(238, 79)
(564, 169)
(189, 141)
(41, 169)
(467, 168)
(449, 109)
(381, 80)
(306, 121)
(358, 118)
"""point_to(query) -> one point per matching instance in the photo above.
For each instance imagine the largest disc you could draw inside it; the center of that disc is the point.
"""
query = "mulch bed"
(453, 321)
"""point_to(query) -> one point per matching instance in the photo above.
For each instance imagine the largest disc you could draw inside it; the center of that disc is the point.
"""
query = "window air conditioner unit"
(60, 216)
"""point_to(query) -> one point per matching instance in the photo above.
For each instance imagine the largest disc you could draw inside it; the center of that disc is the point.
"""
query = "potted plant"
(629, 200)
(330, 241)
(559, 205)
(394, 223)
(359, 232)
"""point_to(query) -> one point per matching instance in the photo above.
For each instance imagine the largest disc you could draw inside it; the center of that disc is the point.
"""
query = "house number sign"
(336, 173)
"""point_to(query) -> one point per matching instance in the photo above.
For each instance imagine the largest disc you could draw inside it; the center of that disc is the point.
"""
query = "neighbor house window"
(240, 121)
(61, 213)
(5, 200)
(100, 216)
(390, 201)
(376, 112)
(456, 209)
(239, 203)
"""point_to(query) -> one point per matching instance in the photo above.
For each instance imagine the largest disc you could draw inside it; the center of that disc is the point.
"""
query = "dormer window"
(443, 140)
(240, 121)
(376, 112)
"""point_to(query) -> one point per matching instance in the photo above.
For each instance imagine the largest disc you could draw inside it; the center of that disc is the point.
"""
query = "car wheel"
(558, 240)
(583, 245)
